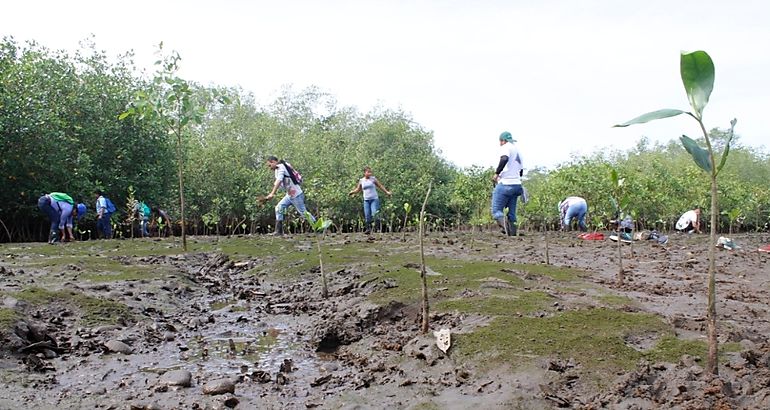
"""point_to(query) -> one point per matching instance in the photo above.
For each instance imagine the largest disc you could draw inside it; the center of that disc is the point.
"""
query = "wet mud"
(215, 331)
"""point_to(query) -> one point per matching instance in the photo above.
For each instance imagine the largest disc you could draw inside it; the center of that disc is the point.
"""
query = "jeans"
(578, 211)
(371, 210)
(144, 224)
(298, 202)
(104, 225)
(505, 196)
(44, 203)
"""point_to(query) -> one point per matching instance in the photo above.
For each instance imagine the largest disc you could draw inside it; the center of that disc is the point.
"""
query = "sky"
(557, 74)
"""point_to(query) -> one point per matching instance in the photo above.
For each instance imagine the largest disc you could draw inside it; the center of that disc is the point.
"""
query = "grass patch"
(614, 300)
(670, 348)
(455, 276)
(94, 311)
(7, 317)
(494, 305)
(593, 337)
(556, 273)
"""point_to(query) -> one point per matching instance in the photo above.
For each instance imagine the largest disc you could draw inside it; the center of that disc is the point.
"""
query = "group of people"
(287, 178)
(505, 196)
(507, 180)
(575, 208)
(62, 213)
(151, 217)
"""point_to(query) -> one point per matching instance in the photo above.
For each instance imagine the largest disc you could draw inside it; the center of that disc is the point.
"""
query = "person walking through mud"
(573, 207)
(60, 209)
(507, 181)
(369, 185)
(288, 179)
(689, 222)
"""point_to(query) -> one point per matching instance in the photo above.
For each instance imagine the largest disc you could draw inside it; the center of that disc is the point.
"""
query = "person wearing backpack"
(369, 184)
(142, 212)
(288, 179)
(60, 209)
(104, 210)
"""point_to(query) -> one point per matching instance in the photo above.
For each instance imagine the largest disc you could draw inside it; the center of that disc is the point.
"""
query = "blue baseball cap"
(81, 210)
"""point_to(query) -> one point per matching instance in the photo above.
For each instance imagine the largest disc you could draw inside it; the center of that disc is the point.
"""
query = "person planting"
(60, 209)
(689, 222)
(573, 207)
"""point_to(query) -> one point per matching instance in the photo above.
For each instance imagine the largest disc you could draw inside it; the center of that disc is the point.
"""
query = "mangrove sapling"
(319, 226)
(131, 205)
(545, 236)
(423, 271)
(620, 204)
(176, 103)
(407, 209)
(697, 72)
(7, 232)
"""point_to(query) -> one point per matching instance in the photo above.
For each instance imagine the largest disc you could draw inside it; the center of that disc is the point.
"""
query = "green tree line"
(60, 131)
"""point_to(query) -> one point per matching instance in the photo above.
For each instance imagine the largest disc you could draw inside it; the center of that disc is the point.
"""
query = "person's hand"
(269, 197)
(389, 193)
(494, 178)
(351, 193)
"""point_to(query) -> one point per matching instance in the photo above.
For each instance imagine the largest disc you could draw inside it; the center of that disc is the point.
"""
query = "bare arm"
(276, 184)
(382, 188)
(356, 190)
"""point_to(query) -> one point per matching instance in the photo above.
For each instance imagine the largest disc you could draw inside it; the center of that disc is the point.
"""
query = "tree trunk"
(324, 289)
(621, 276)
(423, 273)
(180, 163)
(547, 250)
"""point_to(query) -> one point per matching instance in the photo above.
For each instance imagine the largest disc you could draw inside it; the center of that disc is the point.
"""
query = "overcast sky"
(556, 74)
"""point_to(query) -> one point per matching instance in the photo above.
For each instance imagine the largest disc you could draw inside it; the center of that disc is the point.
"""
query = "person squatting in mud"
(507, 181)
(573, 207)
(160, 221)
(689, 222)
(61, 210)
(286, 179)
(369, 184)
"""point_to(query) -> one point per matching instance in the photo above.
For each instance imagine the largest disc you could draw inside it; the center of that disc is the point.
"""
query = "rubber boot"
(504, 225)
(53, 237)
(278, 228)
(368, 228)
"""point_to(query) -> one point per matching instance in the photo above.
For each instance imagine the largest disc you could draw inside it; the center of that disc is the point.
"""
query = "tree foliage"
(59, 131)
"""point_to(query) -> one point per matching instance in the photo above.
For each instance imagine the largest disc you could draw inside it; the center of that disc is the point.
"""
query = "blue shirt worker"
(104, 210)
(507, 181)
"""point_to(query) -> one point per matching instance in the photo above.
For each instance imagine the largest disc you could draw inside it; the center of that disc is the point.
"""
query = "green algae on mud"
(8, 317)
(520, 303)
(93, 311)
(594, 338)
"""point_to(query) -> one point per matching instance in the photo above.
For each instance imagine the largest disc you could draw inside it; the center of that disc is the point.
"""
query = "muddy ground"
(241, 323)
